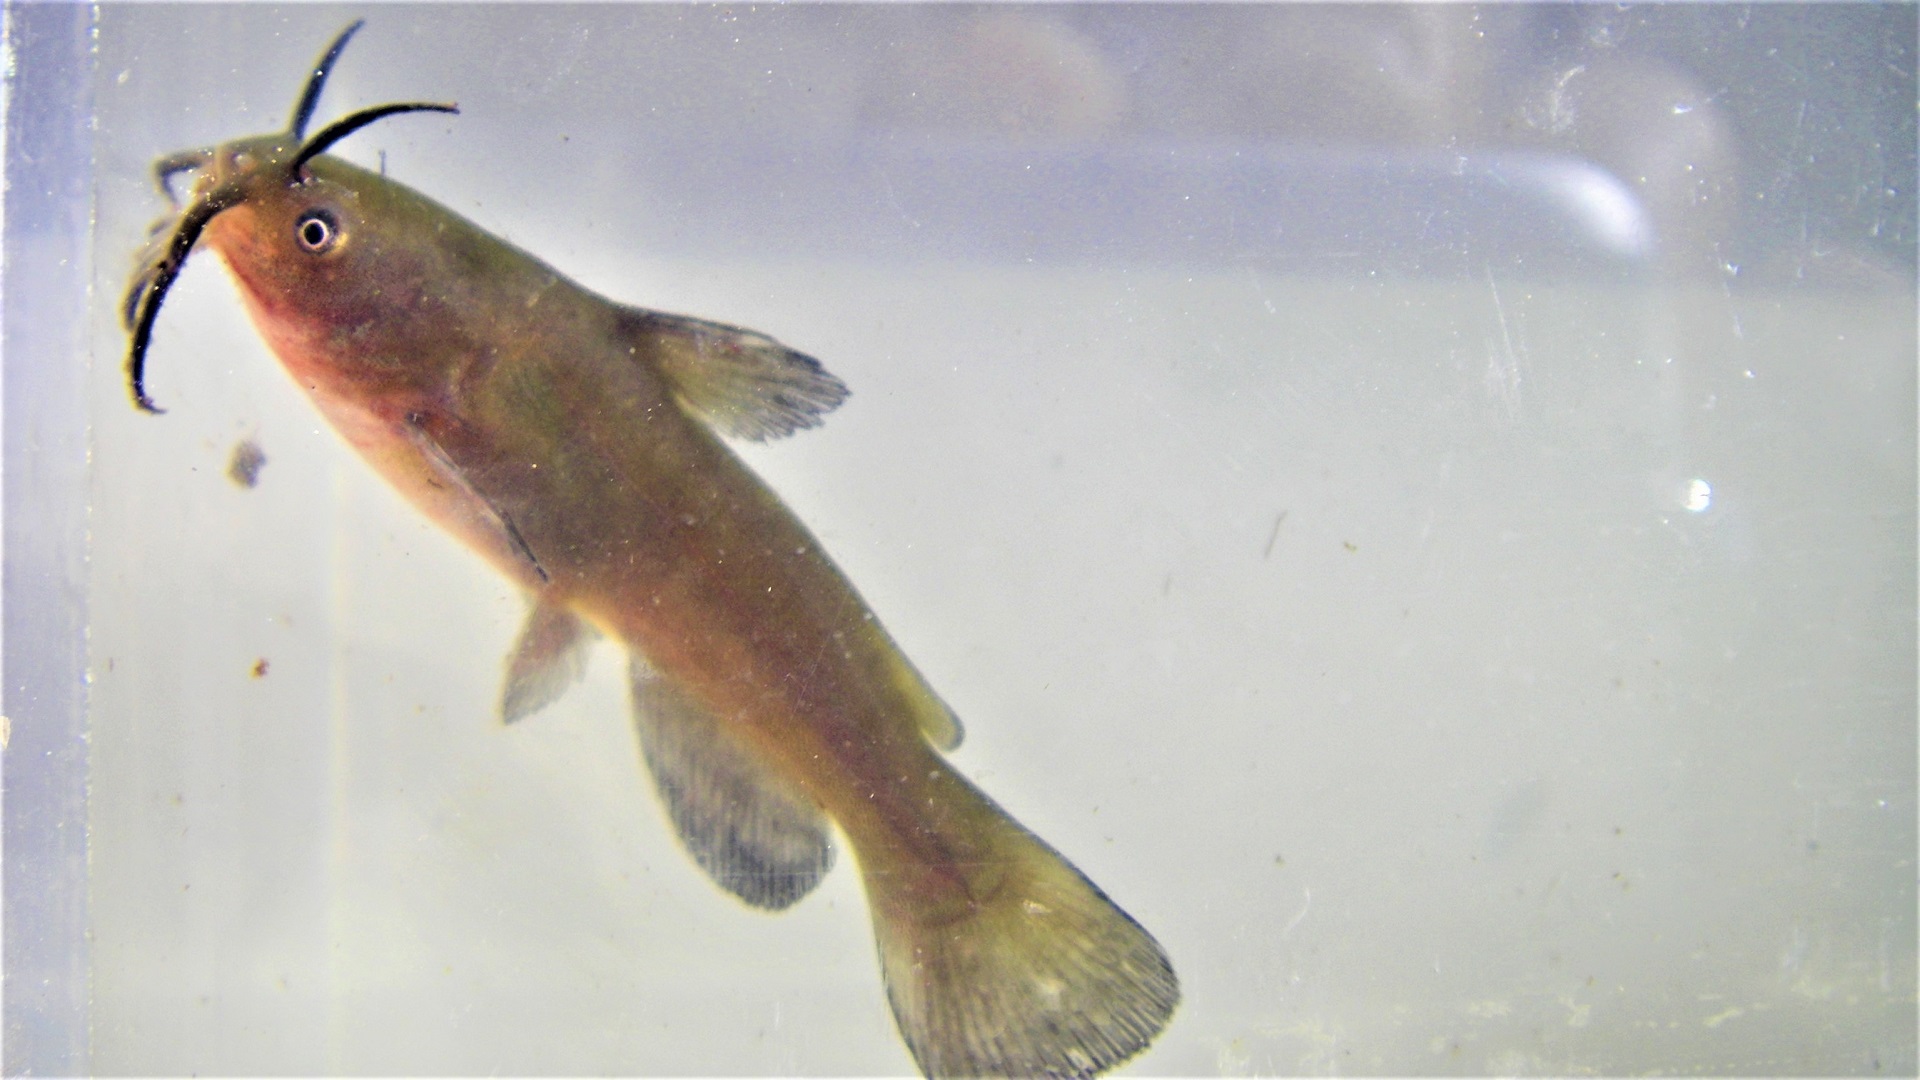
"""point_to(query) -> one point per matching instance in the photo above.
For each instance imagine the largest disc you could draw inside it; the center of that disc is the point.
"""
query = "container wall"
(1417, 502)
(44, 333)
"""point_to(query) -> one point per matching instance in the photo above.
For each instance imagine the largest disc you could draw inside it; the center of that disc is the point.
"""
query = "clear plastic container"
(1417, 502)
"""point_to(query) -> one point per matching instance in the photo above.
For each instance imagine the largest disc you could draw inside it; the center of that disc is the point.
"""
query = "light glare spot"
(1699, 495)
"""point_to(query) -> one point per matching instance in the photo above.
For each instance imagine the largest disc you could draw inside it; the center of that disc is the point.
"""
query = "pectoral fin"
(751, 831)
(743, 383)
(452, 475)
(550, 656)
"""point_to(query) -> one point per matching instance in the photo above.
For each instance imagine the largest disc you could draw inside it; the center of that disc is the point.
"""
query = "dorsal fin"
(744, 384)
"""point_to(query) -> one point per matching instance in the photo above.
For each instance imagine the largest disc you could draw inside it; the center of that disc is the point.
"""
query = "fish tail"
(1041, 976)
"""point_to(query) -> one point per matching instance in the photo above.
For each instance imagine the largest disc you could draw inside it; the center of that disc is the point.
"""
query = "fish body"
(575, 443)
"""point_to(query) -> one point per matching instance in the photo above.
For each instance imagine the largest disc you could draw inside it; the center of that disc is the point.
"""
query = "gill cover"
(230, 174)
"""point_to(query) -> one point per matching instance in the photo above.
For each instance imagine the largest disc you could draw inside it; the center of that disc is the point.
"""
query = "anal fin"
(747, 828)
(550, 656)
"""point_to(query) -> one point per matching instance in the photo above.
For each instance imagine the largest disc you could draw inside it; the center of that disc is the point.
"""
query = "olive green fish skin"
(571, 441)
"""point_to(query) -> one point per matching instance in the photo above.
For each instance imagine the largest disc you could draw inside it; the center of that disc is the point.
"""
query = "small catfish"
(575, 443)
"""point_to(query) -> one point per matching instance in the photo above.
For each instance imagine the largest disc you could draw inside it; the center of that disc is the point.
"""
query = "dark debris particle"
(244, 467)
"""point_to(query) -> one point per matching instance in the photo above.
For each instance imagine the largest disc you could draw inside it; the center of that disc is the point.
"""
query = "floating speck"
(244, 467)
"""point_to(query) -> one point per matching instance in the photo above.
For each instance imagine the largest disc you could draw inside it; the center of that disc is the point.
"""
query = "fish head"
(294, 228)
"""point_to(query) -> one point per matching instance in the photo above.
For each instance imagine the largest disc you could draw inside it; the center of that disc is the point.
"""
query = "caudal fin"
(1046, 977)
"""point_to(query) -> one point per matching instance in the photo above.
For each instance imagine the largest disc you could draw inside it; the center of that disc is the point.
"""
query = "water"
(1461, 600)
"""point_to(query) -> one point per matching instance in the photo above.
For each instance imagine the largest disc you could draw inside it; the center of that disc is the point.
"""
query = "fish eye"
(317, 231)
